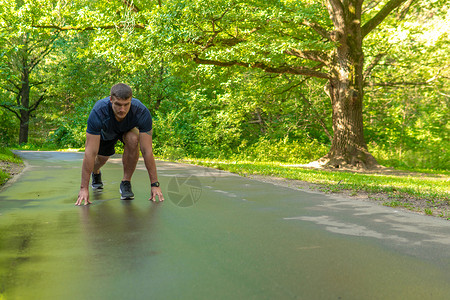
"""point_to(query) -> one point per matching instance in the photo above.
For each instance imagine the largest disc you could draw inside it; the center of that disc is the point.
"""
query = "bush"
(68, 137)
(435, 157)
(293, 152)
(8, 128)
(71, 128)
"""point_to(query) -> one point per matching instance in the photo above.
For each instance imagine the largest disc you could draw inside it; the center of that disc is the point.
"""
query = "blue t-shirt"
(102, 121)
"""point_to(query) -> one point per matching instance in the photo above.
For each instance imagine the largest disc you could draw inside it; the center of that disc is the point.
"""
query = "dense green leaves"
(234, 112)
(408, 95)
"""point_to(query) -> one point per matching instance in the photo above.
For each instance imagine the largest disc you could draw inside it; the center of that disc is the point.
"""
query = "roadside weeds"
(424, 193)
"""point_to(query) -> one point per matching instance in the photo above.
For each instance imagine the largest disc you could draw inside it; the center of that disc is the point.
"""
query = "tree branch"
(402, 14)
(9, 90)
(319, 118)
(380, 16)
(222, 15)
(292, 86)
(36, 104)
(214, 42)
(370, 5)
(336, 12)
(318, 29)
(33, 45)
(66, 28)
(18, 98)
(310, 55)
(264, 67)
(11, 110)
(395, 83)
(35, 61)
(36, 83)
(310, 106)
(372, 65)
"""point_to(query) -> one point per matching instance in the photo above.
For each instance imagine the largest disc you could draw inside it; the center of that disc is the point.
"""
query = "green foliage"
(217, 120)
(407, 103)
(8, 125)
(6, 156)
(230, 113)
(23, 68)
(294, 152)
(71, 129)
(170, 135)
(3, 177)
(66, 136)
(428, 212)
(277, 22)
(397, 203)
(422, 156)
(409, 128)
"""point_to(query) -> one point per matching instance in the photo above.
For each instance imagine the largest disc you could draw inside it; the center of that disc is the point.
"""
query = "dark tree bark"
(25, 104)
(345, 88)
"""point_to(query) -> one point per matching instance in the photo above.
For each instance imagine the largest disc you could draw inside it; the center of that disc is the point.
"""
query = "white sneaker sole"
(125, 198)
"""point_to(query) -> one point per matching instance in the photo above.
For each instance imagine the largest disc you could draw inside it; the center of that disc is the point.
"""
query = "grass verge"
(7, 159)
(427, 193)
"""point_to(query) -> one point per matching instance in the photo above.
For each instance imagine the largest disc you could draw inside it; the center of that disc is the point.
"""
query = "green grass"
(433, 187)
(3, 177)
(7, 156)
(36, 147)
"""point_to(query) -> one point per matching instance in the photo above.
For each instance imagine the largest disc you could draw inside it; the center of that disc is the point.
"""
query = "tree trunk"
(348, 147)
(25, 105)
(24, 121)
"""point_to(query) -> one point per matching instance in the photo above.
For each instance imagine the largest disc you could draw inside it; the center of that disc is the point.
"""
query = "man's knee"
(131, 138)
(101, 159)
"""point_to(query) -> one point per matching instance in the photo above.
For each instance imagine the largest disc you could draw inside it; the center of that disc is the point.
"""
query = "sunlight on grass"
(7, 155)
(428, 187)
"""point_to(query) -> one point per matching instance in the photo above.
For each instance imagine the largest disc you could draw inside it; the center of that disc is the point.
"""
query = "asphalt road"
(217, 236)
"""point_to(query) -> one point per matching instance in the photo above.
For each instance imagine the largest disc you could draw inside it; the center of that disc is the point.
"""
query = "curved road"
(217, 236)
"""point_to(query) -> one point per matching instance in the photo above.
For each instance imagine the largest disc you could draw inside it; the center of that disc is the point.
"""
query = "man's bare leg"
(100, 161)
(130, 155)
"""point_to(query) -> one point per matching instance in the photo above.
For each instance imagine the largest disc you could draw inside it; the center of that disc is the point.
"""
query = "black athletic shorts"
(107, 147)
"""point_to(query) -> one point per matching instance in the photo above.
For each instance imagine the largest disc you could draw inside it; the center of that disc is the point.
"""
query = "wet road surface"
(217, 236)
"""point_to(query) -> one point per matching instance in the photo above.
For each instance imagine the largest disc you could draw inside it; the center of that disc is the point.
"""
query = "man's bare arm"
(91, 150)
(145, 139)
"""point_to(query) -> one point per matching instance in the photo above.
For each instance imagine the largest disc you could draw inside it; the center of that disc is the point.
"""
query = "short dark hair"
(121, 91)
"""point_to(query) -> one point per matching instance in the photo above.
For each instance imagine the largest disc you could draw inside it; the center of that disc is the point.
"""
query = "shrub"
(293, 152)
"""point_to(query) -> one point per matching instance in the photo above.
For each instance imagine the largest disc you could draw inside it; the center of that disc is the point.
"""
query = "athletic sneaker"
(97, 181)
(125, 191)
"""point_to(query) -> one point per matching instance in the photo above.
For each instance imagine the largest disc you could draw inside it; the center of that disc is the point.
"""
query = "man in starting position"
(118, 117)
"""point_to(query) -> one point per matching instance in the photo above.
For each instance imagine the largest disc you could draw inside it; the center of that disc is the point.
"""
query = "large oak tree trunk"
(348, 147)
